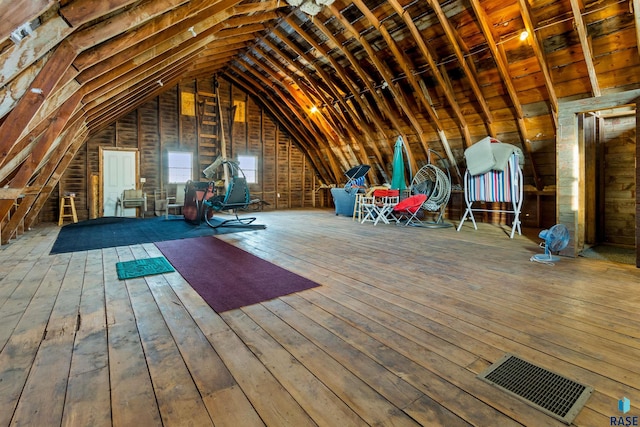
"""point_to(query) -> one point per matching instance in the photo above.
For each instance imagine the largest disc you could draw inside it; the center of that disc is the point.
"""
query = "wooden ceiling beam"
(501, 63)
(303, 99)
(135, 94)
(149, 19)
(277, 112)
(303, 136)
(15, 59)
(79, 12)
(636, 18)
(453, 40)
(334, 92)
(204, 26)
(527, 18)
(102, 89)
(306, 103)
(125, 105)
(41, 87)
(15, 13)
(41, 148)
(38, 125)
(315, 136)
(585, 42)
(380, 101)
(299, 109)
(357, 91)
(387, 76)
(353, 119)
(408, 68)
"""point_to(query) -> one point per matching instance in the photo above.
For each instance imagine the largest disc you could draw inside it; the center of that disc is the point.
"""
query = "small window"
(180, 166)
(249, 165)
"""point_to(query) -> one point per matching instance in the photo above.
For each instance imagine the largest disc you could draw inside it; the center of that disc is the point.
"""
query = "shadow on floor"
(611, 253)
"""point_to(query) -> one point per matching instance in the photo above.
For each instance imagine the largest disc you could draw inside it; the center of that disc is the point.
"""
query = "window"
(180, 166)
(249, 165)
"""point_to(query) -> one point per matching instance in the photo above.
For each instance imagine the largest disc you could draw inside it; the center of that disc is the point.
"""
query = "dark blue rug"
(108, 232)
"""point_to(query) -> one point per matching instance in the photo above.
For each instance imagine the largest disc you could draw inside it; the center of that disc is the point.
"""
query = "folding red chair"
(407, 210)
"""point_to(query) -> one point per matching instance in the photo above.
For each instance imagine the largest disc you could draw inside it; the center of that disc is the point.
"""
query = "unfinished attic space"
(319, 212)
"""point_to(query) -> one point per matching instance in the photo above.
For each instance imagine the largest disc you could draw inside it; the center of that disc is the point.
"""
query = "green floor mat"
(143, 267)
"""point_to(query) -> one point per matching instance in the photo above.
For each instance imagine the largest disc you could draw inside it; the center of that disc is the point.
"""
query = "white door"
(118, 174)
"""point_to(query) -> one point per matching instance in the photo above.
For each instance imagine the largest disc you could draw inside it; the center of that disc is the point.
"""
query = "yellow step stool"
(67, 201)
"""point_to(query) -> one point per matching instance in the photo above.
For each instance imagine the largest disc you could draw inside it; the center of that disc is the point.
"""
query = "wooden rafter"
(408, 68)
(527, 18)
(453, 40)
(276, 110)
(16, 13)
(356, 90)
(501, 63)
(581, 28)
(51, 134)
(49, 176)
(46, 37)
(41, 87)
(302, 119)
(636, 18)
(310, 99)
(334, 91)
(387, 76)
(136, 93)
(79, 12)
(149, 19)
(303, 133)
(353, 116)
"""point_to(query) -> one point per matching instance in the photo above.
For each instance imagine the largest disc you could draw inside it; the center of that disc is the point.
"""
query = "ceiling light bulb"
(314, 109)
(524, 35)
(192, 31)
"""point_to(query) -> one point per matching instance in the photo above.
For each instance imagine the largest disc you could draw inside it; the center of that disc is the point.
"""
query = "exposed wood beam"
(103, 88)
(145, 91)
(315, 136)
(354, 117)
(527, 18)
(636, 18)
(127, 100)
(453, 40)
(373, 116)
(328, 81)
(19, 118)
(15, 13)
(581, 28)
(408, 67)
(501, 63)
(51, 134)
(17, 58)
(300, 134)
(148, 18)
(300, 110)
(34, 192)
(39, 124)
(387, 76)
(79, 12)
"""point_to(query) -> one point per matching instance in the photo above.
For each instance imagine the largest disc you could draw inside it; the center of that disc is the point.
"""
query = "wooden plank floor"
(404, 320)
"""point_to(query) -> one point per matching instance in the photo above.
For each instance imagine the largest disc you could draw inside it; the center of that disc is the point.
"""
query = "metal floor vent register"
(553, 394)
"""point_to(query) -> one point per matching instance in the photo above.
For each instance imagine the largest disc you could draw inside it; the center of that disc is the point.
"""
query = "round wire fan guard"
(555, 239)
